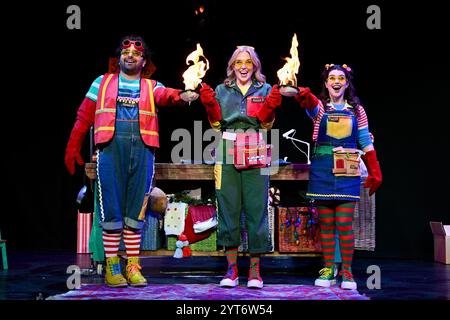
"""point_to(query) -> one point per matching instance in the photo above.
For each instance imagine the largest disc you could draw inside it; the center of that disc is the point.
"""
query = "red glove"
(208, 99)
(273, 100)
(85, 119)
(306, 99)
(168, 97)
(373, 167)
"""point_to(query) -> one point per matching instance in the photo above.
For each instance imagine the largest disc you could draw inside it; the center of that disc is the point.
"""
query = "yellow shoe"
(113, 274)
(134, 275)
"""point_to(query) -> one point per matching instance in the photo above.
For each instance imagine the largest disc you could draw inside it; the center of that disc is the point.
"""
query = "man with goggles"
(123, 110)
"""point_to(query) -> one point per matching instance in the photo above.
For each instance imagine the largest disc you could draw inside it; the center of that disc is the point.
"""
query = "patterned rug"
(209, 292)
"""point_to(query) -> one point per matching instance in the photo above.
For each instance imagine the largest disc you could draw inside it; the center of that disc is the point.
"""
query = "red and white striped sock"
(132, 239)
(111, 242)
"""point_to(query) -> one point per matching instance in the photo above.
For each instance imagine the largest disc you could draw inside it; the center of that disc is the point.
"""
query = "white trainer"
(229, 283)
(255, 284)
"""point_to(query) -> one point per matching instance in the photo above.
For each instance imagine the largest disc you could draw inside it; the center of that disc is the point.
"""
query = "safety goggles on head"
(341, 79)
(134, 53)
(137, 44)
(239, 63)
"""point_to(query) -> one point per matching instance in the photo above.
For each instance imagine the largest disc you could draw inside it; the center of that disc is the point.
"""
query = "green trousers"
(237, 191)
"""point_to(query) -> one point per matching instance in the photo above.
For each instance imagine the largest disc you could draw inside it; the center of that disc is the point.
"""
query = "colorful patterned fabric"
(175, 291)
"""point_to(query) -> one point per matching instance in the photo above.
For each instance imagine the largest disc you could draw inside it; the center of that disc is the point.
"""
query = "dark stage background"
(401, 77)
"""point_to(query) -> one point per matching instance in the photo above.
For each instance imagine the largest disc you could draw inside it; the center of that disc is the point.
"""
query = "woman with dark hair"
(241, 105)
(340, 133)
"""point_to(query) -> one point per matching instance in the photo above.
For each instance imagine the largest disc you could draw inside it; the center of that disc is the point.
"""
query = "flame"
(286, 75)
(200, 10)
(192, 76)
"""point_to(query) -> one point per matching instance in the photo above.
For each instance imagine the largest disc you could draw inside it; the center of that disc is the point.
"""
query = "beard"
(130, 69)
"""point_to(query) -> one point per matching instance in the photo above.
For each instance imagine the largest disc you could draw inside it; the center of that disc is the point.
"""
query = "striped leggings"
(337, 215)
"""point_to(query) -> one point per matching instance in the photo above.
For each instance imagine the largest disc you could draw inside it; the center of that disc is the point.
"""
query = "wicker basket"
(364, 221)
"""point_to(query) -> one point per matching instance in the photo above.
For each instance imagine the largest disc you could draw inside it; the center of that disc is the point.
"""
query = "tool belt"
(251, 151)
(346, 160)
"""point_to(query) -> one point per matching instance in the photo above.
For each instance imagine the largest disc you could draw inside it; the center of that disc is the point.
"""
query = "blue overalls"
(125, 168)
(337, 128)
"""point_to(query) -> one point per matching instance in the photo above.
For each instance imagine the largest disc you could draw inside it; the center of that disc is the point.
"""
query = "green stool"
(3, 246)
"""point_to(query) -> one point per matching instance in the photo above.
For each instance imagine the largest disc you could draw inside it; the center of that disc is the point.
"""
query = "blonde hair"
(257, 74)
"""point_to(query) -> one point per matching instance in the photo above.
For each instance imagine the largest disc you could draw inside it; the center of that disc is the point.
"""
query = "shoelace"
(133, 268)
(326, 272)
(346, 275)
(115, 269)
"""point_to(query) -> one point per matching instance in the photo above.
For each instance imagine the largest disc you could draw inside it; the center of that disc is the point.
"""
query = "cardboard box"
(441, 236)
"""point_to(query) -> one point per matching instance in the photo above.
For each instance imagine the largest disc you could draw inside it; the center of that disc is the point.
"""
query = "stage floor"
(40, 275)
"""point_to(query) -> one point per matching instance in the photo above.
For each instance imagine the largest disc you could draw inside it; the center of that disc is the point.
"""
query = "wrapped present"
(298, 229)
(208, 244)
(174, 218)
(153, 234)
(84, 226)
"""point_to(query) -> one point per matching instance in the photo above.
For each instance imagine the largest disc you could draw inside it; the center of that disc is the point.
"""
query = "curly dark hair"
(147, 52)
(349, 94)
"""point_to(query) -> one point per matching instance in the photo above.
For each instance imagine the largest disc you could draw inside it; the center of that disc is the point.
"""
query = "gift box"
(84, 225)
(153, 233)
(298, 229)
(441, 235)
(174, 218)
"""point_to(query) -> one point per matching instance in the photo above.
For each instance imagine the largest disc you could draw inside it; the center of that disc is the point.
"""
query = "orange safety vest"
(105, 111)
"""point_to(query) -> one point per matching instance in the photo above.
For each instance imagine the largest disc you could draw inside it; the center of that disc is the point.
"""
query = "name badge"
(333, 119)
(257, 100)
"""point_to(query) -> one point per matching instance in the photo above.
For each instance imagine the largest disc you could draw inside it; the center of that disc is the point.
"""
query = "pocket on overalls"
(339, 126)
(346, 162)
(254, 104)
